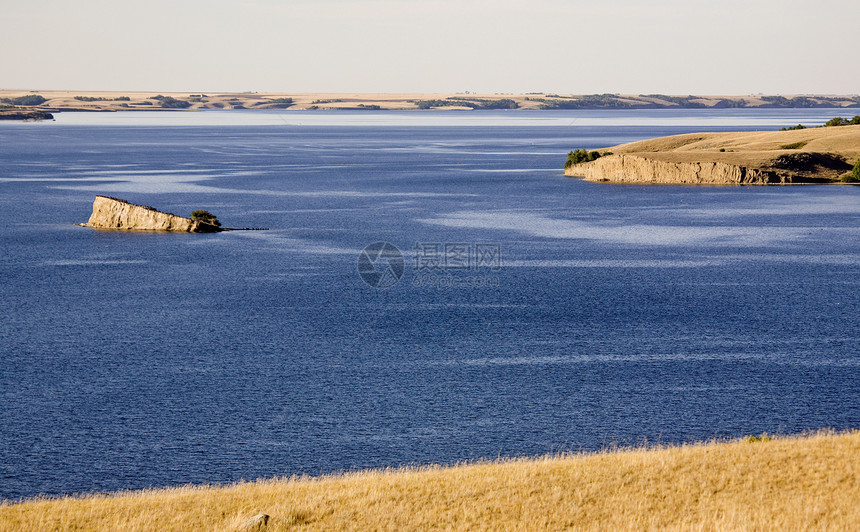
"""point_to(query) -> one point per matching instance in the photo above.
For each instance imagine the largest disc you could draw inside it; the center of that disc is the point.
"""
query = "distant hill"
(128, 101)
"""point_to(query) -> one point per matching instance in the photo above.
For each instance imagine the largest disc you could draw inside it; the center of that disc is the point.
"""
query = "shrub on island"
(204, 216)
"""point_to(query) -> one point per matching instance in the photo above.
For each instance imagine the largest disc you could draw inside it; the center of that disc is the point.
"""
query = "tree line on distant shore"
(660, 101)
(100, 99)
(548, 101)
(26, 101)
(833, 122)
(473, 103)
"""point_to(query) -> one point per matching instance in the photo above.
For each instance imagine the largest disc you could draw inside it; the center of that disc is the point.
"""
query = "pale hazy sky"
(569, 46)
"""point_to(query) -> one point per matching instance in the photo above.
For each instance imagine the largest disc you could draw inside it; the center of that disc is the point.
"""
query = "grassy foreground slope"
(809, 482)
(821, 154)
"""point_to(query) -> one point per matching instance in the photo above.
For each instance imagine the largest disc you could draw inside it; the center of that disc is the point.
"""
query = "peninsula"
(112, 213)
(804, 155)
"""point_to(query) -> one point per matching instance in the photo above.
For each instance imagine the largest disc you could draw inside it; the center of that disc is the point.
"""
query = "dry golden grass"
(802, 483)
(754, 148)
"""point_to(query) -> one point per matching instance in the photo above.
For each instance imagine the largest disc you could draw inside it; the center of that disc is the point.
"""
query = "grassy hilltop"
(795, 483)
(807, 155)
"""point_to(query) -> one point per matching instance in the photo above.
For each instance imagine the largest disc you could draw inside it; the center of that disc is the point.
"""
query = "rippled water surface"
(535, 313)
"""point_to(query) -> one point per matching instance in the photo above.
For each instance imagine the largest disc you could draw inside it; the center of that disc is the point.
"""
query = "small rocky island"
(792, 156)
(112, 213)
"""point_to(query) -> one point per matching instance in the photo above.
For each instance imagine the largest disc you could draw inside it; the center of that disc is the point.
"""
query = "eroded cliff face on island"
(637, 169)
(112, 213)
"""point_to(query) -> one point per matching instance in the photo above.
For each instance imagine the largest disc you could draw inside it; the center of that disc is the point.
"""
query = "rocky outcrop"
(112, 213)
(807, 155)
(637, 169)
(257, 523)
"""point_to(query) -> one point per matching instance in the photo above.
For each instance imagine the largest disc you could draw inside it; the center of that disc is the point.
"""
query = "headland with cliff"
(794, 156)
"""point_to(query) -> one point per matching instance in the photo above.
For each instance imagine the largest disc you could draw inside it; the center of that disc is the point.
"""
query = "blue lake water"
(535, 313)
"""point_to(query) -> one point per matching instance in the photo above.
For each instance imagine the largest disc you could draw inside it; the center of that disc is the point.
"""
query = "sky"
(425, 46)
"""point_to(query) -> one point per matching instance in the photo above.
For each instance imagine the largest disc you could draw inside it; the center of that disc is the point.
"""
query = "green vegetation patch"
(686, 102)
(793, 145)
(100, 99)
(169, 102)
(473, 103)
(593, 101)
(278, 103)
(854, 175)
(204, 216)
(833, 122)
(28, 100)
(801, 101)
(839, 121)
(582, 156)
(660, 101)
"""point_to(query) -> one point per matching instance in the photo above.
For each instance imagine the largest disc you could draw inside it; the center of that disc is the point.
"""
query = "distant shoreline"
(68, 101)
(25, 115)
